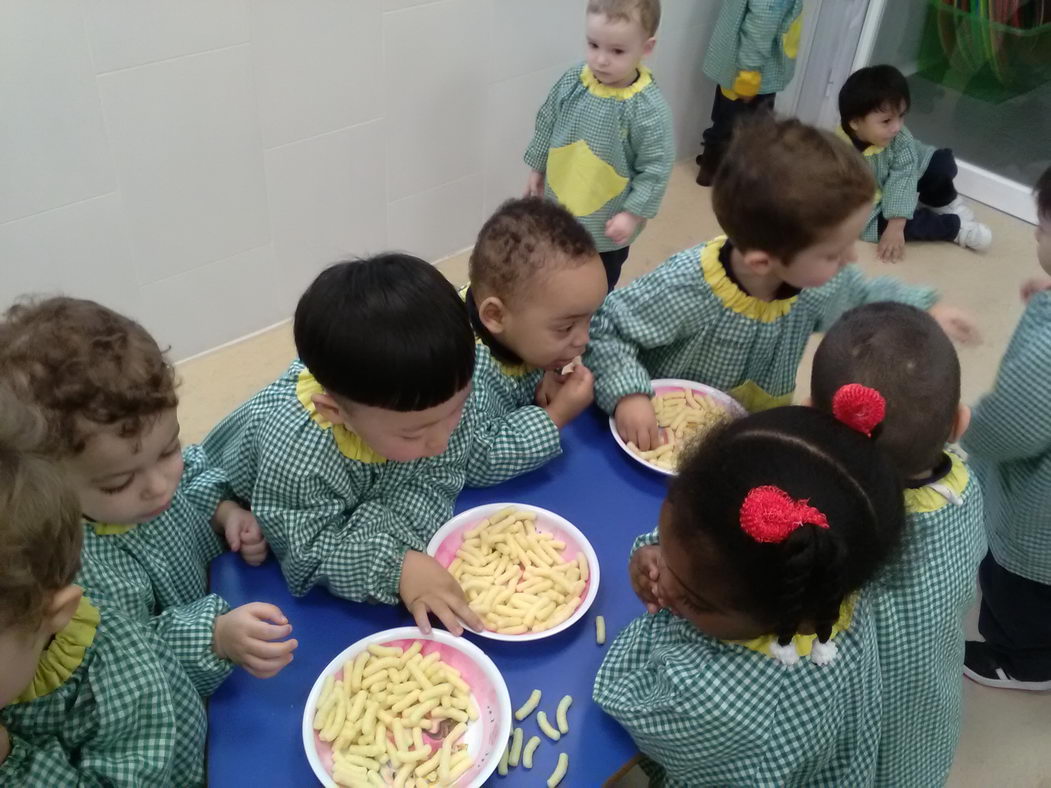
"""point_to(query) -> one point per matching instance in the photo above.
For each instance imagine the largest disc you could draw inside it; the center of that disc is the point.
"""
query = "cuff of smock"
(644, 540)
(16, 765)
(536, 159)
(385, 579)
(608, 396)
(208, 670)
(747, 83)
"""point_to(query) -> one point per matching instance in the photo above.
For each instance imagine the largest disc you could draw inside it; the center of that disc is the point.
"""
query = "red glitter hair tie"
(859, 407)
(769, 514)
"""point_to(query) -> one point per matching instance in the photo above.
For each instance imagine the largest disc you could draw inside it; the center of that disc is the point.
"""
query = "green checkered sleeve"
(899, 186)
(203, 482)
(850, 288)
(114, 722)
(644, 540)
(748, 37)
(652, 138)
(658, 309)
(760, 25)
(536, 154)
(190, 632)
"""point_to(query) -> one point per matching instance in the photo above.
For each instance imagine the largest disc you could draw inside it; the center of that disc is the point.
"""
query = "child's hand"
(621, 227)
(956, 323)
(427, 587)
(1031, 287)
(637, 422)
(548, 387)
(242, 532)
(535, 184)
(644, 569)
(573, 397)
(246, 637)
(892, 243)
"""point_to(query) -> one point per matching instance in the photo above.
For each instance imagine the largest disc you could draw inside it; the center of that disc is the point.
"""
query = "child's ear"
(647, 48)
(854, 124)
(493, 314)
(759, 262)
(61, 608)
(960, 423)
(328, 408)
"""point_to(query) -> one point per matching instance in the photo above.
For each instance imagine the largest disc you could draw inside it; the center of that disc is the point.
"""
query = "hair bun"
(769, 514)
(859, 407)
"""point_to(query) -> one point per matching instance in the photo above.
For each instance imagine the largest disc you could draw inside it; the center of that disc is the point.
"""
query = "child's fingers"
(464, 613)
(421, 616)
(266, 668)
(233, 537)
(265, 612)
(265, 649)
(444, 613)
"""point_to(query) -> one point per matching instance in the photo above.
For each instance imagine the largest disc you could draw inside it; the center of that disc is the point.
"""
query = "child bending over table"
(86, 696)
(107, 393)
(536, 280)
(352, 459)
(894, 357)
(756, 663)
(736, 312)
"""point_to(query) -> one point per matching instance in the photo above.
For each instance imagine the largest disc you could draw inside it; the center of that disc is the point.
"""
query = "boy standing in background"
(604, 144)
(751, 57)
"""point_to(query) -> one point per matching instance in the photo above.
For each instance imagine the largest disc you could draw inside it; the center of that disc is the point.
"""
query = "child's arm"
(536, 154)
(759, 27)
(1011, 422)
(898, 201)
(509, 445)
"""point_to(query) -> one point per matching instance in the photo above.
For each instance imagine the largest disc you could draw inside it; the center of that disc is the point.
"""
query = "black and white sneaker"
(981, 666)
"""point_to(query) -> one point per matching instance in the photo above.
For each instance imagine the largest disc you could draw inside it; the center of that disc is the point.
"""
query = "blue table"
(254, 732)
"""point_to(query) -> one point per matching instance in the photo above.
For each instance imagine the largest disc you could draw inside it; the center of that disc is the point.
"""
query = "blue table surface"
(254, 733)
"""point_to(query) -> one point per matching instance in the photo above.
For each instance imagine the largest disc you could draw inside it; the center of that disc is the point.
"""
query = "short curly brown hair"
(78, 361)
(40, 531)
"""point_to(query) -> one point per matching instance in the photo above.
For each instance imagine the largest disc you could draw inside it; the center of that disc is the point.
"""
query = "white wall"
(194, 163)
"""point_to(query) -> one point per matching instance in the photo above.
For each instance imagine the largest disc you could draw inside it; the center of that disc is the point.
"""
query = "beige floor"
(1005, 733)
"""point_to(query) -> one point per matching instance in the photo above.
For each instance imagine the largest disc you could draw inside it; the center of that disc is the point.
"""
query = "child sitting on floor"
(751, 57)
(108, 395)
(604, 143)
(736, 313)
(1010, 447)
(872, 106)
(536, 280)
(351, 460)
(757, 664)
(86, 696)
(895, 357)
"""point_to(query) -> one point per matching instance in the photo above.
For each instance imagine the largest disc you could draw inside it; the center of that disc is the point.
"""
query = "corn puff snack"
(515, 576)
(377, 715)
(683, 416)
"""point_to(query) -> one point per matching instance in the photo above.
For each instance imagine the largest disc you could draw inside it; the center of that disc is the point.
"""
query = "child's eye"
(118, 488)
(592, 45)
(618, 51)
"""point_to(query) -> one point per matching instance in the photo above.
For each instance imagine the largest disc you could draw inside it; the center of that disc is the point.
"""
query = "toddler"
(736, 313)
(895, 358)
(757, 664)
(872, 106)
(536, 280)
(346, 458)
(1010, 446)
(86, 696)
(751, 57)
(107, 393)
(604, 143)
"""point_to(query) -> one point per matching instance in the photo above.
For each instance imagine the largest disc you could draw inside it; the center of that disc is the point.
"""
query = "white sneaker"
(958, 207)
(974, 235)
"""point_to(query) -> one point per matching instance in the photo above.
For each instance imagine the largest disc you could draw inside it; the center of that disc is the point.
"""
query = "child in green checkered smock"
(535, 282)
(108, 393)
(604, 143)
(353, 458)
(756, 662)
(87, 697)
(916, 199)
(1010, 447)
(920, 600)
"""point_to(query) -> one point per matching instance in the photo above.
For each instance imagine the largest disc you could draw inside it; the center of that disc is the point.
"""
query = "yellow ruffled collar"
(937, 495)
(804, 644)
(110, 529)
(64, 654)
(596, 88)
(505, 367)
(349, 444)
(732, 296)
(871, 150)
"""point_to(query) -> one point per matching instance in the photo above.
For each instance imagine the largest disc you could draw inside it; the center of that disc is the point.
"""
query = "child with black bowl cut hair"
(757, 662)
(353, 458)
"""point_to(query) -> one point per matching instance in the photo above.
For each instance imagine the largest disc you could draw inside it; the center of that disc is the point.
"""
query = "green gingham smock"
(334, 512)
(157, 573)
(604, 150)
(897, 169)
(119, 713)
(1009, 441)
(709, 712)
(511, 433)
(757, 37)
(919, 602)
(688, 319)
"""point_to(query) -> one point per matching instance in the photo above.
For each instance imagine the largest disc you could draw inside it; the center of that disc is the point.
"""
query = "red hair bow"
(769, 514)
(859, 407)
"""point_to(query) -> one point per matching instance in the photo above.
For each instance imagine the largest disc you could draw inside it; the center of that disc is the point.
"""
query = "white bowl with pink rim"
(447, 541)
(667, 386)
(486, 737)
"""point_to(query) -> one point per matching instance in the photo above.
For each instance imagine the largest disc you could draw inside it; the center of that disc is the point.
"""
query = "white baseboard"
(996, 191)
